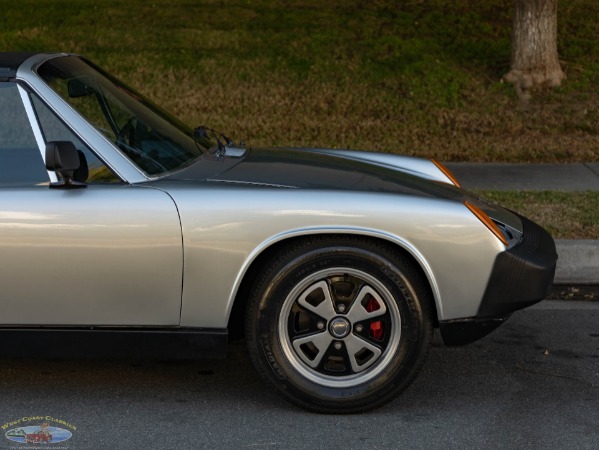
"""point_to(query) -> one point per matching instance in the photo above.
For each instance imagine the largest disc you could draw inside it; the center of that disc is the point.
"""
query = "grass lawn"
(414, 77)
(566, 215)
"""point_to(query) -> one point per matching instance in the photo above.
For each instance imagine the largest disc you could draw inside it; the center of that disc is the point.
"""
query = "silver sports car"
(120, 223)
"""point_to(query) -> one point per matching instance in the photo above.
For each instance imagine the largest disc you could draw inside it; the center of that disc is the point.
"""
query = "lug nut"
(320, 325)
(341, 308)
(359, 328)
(338, 345)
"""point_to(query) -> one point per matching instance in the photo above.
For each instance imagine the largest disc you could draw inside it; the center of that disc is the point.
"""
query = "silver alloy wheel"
(339, 327)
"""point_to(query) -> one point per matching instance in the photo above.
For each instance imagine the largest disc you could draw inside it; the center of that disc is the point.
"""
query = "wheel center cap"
(339, 327)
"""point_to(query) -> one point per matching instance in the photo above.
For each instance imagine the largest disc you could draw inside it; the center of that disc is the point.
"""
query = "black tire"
(339, 324)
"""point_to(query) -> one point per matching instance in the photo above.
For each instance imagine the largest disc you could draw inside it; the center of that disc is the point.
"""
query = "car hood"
(306, 169)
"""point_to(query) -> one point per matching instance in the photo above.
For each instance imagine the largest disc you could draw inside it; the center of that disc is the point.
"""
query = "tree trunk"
(534, 47)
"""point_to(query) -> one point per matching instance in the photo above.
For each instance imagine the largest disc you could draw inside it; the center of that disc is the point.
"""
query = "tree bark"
(534, 61)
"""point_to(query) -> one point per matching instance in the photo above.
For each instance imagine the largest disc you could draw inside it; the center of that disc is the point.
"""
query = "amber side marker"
(446, 171)
(487, 221)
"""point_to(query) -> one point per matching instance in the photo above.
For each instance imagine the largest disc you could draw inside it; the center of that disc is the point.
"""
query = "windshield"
(154, 140)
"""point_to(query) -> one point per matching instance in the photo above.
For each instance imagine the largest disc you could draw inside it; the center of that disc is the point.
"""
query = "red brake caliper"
(376, 328)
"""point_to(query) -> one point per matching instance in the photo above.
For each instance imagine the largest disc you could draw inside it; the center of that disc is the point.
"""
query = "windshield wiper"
(202, 132)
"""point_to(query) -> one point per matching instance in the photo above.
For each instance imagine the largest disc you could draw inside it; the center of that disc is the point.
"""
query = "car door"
(106, 255)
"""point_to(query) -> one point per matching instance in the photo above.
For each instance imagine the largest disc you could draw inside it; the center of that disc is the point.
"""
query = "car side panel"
(226, 227)
(104, 255)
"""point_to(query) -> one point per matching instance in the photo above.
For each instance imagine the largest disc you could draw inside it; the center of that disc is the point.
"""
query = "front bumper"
(521, 276)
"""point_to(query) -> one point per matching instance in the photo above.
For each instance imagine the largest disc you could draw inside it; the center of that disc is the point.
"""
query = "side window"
(21, 162)
(55, 130)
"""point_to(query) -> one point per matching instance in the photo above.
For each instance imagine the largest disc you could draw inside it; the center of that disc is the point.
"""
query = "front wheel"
(339, 325)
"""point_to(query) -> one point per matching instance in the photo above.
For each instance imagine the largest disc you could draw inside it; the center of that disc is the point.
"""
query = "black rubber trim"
(7, 74)
(466, 331)
(144, 343)
(13, 60)
(522, 275)
(10, 62)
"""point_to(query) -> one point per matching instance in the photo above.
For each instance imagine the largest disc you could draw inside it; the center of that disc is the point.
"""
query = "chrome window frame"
(35, 126)
(106, 151)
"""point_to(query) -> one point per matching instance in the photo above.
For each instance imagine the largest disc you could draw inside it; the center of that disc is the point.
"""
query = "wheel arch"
(256, 261)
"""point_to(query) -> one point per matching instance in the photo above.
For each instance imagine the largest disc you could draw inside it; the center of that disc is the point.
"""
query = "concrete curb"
(578, 261)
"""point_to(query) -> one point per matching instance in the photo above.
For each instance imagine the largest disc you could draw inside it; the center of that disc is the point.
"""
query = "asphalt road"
(533, 383)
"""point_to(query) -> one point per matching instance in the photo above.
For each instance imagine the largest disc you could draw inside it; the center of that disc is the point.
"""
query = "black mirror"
(63, 158)
(78, 87)
(82, 173)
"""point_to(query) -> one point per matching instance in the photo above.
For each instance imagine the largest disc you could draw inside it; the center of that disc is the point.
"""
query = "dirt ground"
(589, 293)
